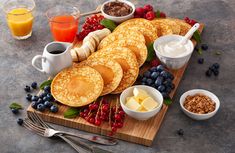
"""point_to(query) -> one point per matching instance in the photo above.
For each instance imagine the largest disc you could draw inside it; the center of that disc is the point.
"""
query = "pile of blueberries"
(43, 101)
(158, 78)
(213, 69)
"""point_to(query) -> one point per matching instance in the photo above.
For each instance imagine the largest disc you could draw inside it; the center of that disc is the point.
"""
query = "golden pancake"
(142, 25)
(126, 58)
(162, 28)
(184, 27)
(110, 70)
(138, 48)
(172, 24)
(130, 34)
(77, 86)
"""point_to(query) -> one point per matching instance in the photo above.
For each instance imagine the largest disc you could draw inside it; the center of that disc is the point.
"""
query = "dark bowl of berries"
(118, 11)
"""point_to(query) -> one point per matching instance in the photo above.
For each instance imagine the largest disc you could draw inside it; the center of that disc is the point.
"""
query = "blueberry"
(54, 109)
(147, 74)
(208, 73)
(171, 76)
(216, 65)
(165, 95)
(153, 69)
(47, 89)
(200, 60)
(168, 90)
(29, 97)
(48, 104)
(34, 105)
(34, 85)
(27, 88)
(35, 98)
(160, 68)
(45, 98)
(40, 101)
(41, 107)
(204, 47)
(164, 74)
(50, 97)
(180, 132)
(42, 95)
(154, 75)
(159, 81)
(20, 121)
(149, 82)
(144, 79)
(216, 72)
(161, 88)
(212, 68)
(15, 111)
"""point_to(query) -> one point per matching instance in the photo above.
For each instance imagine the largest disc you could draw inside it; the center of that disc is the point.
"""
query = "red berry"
(105, 108)
(115, 125)
(120, 108)
(148, 8)
(122, 113)
(140, 11)
(119, 125)
(92, 120)
(150, 15)
(82, 114)
(117, 117)
(86, 110)
(137, 16)
(155, 62)
(114, 129)
(162, 15)
(186, 19)
(110, 134)
(97, 122)
(102, 117)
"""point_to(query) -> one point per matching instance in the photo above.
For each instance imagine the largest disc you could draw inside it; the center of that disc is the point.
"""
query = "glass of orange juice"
(63, 21)
(19, 15)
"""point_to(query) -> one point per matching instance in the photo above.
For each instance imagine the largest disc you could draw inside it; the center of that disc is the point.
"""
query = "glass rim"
(30, 10)
(50, 18)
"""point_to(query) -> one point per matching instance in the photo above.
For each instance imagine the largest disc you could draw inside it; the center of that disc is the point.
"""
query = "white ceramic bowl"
(121, 18)
(155, 94)
(172, 62)
(195, 115)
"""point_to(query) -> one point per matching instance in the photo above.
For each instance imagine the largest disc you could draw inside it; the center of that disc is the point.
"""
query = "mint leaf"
(15, 106)
(218, 53)
(45, 83)
(151, 53)
(197, 36)
(199, 51)
(167, 101)
(108, 24)
(158, 14)
(71, 112)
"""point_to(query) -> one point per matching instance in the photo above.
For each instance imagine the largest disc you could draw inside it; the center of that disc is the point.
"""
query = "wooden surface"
(140, 132)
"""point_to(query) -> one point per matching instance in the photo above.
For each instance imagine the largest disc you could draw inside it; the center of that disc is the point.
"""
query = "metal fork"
(49, 132)
(37, 129)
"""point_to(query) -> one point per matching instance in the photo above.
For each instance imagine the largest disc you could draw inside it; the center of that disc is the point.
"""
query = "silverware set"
(35, 123)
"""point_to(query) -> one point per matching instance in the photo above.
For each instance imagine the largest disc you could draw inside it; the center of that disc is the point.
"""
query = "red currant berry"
(117, 117)
(92, 120)
(114, 129)
(148, 8)
(82, 114)
(97, 122)
(162, 15)
(122, 113)
(119, 125)
(105, 108)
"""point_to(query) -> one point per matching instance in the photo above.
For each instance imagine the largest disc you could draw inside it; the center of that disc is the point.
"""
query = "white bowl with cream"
(152, 92)
(171, 53)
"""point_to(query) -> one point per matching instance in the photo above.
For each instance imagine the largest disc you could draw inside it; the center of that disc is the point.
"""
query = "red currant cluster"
(190, 21)
(147, 12)
(103, 111)
(92, 23)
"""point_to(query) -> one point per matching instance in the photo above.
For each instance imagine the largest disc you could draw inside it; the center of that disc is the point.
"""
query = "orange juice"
(20, 21)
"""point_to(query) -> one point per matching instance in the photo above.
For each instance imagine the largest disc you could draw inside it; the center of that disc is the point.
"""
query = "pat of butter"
(128, 98)
(140, 94)
(142, 109)
(149, 103)
(133, 104)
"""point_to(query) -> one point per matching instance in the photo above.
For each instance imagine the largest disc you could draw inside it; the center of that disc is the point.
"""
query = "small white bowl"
(196, 116)
(121, 18)
(172, 62)
(155, 94)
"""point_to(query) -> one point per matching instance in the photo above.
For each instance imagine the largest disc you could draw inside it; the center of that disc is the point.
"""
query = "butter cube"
(149, 103)
(140, 94)
(133, 104)
(128, 98)
(142, 109)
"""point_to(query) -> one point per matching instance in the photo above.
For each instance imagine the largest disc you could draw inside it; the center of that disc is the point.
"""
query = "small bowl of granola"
(199, 104)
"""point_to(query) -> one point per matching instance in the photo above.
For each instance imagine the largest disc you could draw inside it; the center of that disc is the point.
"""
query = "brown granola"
(199, 104)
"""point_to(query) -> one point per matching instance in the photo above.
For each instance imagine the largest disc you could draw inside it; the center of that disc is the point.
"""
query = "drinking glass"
(63, 21)
(19, 16)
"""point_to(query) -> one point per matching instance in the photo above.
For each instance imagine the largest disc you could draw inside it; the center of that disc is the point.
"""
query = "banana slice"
(90, 39)
(102, 33)
(90, 46)
(74, 55)
(95, 37)
(81, 54)
(86, 50)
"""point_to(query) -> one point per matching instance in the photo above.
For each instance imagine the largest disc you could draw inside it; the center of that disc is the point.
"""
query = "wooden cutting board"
(140, 132)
